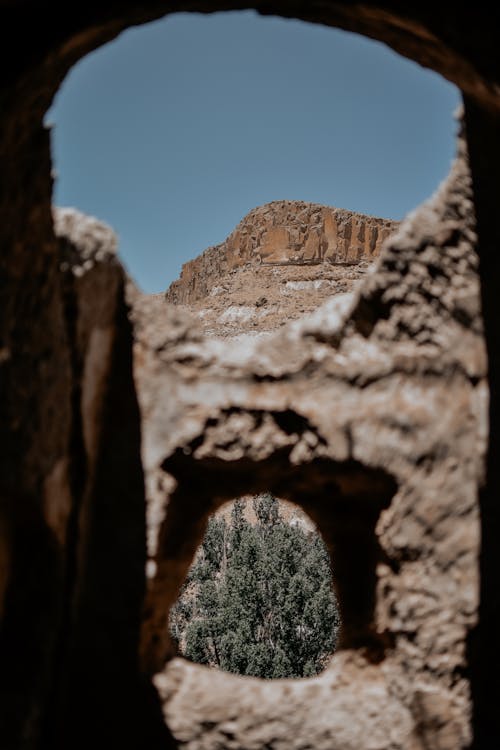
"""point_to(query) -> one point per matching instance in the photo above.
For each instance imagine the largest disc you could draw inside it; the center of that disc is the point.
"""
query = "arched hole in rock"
(345, 510)
(343, 500)
(89, 169)
(177, 129)
(258, 599)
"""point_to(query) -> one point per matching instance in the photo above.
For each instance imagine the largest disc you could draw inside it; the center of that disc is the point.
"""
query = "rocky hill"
(281, 262)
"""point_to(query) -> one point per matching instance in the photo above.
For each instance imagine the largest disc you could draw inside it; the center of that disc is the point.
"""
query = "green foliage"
(258, 599)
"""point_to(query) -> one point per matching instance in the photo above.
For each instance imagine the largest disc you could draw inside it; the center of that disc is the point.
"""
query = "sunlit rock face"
(284, 233)
(282, 261)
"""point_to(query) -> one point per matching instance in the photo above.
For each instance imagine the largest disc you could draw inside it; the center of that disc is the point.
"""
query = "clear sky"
(175, 130)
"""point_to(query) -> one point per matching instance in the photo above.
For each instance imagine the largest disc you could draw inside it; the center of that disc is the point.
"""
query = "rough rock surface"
(282, 261)
(59, 537)
(283, 233)
(373, 422)
(254, 300)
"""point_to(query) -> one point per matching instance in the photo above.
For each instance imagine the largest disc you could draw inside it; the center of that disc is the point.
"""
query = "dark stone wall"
(483, 129)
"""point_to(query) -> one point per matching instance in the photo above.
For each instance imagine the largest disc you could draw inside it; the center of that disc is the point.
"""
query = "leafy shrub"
(258, 599)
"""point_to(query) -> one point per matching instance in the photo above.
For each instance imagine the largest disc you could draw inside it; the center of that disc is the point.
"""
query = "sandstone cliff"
(284, 233)
(281, 262)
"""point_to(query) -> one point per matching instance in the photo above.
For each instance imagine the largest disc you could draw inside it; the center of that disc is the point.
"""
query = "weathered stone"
(283, 233)
(304, 254)
(72, 541)
(396, 407)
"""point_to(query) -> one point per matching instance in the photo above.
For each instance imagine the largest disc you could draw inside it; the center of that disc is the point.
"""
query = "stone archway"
(69, 413)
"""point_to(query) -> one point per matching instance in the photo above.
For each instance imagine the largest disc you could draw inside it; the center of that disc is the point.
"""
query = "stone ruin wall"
(344, 415)
(375, 427)
(284, 233)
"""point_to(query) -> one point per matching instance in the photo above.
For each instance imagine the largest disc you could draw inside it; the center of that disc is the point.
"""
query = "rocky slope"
(281, 262)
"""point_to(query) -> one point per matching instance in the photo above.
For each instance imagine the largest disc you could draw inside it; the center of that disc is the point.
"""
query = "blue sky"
(175, 130)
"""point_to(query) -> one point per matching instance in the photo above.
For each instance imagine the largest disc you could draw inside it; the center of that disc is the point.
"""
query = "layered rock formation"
(282, 261)
(284, 233)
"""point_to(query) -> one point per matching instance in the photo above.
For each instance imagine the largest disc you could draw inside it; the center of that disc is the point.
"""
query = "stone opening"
(259, 596)
(343, 500)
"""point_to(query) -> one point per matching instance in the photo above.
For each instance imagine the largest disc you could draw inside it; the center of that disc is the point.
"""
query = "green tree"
(258, 599)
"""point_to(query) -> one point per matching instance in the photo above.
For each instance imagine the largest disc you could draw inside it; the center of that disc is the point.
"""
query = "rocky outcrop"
(284, 233)
(280, 263)
(255, 300)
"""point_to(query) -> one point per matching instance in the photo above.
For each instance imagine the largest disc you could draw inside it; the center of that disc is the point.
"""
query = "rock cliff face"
(282, 261)
(284, 233)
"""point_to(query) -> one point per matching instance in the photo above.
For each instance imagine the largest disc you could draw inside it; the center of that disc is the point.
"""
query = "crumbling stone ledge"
(372, 409)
